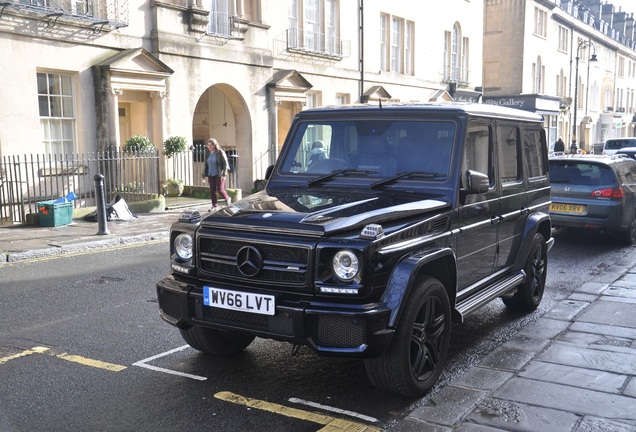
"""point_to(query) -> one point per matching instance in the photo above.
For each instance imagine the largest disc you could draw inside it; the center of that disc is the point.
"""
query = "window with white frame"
(456, 56)
(396, 44)
(538, 73)
(56, 101)
(621, 66)
(593, 96)
(540, 22)
(408, 48)
(561, 84)
(314, 26)
(564, 39)
(464, 53)
(219, 18)
(343, 98)
(384, 19)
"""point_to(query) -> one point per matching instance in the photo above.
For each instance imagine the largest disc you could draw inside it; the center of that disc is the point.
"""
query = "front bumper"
(332, 329)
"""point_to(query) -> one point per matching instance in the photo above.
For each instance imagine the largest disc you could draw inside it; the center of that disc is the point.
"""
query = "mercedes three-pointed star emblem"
(249, 261)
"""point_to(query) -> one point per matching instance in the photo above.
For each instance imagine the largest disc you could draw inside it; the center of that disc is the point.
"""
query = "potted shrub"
(174, 187)
(173, 145)
(139, 143)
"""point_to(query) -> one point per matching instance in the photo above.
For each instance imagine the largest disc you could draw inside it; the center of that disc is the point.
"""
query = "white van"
(612, 145)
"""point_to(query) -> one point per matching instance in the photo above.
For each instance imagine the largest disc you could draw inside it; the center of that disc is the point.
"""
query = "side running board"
(473, 303)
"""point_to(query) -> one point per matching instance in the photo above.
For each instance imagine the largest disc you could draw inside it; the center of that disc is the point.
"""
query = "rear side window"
(581, 173)
(617, 144)
(508, 138)
(534, 150)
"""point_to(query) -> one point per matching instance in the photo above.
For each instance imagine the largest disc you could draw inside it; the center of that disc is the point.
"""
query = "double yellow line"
(65, 356)
(331, 424)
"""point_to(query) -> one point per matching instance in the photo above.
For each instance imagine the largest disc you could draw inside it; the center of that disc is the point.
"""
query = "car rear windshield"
(582, 173)
(617, 144)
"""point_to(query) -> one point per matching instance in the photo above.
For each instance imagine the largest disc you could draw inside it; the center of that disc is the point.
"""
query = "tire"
(216, 342)
(529, 295)
(417, 354)
(628, 237)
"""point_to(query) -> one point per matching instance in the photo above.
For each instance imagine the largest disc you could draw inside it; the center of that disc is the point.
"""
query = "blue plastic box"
(53, 214)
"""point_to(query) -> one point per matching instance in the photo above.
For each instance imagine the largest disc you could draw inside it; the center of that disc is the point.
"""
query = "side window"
(509, 145)
(478, 152)
(534, 150)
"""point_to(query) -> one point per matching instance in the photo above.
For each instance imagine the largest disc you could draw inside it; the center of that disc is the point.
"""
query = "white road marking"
(334, 409)
(143, 364)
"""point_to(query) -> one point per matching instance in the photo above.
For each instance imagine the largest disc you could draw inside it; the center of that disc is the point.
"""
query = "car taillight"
(608, 193)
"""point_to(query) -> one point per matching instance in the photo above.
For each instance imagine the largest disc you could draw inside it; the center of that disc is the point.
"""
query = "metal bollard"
(101, 204)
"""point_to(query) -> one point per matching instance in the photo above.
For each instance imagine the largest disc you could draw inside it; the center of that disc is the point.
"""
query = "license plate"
(239, 301)
(567, 208)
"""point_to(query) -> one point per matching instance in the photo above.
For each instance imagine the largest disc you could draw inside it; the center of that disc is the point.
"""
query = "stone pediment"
(136, 69)
(289, 85)
(375, 94)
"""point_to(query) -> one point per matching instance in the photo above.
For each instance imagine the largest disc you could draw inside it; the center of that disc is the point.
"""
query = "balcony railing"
(455, 75)
(304, 41)
(101, 14)
(223, 25)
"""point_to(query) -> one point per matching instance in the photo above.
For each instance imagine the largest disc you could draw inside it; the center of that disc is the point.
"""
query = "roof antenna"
(380, 100)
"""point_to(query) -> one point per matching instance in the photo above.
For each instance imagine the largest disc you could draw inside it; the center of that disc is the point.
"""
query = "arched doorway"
(221, 113)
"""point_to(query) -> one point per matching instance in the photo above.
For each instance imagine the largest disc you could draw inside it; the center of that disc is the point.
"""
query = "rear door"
(478, 213)
(513, 191)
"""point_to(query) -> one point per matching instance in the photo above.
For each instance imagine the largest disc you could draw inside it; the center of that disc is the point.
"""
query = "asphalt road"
(82, 347)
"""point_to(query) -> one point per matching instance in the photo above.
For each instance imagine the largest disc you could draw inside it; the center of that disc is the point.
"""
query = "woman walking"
(215, 172)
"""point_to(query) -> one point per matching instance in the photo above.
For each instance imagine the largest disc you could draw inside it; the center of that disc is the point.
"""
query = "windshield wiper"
(419, 174)
(345, 171)
(561, 181)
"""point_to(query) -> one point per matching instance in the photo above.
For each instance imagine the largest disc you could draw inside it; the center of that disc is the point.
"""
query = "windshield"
(370, 148)
(581, 173)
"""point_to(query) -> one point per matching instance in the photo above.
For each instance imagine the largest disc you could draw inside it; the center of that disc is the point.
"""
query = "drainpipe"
(361, 47)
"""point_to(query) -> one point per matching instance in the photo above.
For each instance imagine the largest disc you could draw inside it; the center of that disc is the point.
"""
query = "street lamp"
(582, 44)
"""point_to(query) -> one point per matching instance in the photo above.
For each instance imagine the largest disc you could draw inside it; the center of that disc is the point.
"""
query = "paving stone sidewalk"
(574, 369)
(20, 242)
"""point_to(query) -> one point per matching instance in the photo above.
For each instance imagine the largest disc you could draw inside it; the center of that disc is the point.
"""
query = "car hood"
(317, 213)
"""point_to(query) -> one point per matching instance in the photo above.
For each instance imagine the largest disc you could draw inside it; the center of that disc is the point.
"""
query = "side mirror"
(268, 172)
(478, 183)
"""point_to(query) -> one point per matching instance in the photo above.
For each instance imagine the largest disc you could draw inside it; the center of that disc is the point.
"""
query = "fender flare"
(538, 222)
(404, 274)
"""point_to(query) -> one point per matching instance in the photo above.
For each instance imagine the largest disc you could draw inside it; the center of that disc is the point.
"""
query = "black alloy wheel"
(418, 352)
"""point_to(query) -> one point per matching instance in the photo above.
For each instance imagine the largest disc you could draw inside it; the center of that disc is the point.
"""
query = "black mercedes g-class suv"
(415, 215)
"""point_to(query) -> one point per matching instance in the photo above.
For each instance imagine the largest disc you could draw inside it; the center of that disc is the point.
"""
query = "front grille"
(279, 324)
(336, 332)
(282, 264)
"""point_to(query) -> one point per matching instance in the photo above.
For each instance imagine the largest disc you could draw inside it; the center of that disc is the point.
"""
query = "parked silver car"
(627, 151)
(594, 192)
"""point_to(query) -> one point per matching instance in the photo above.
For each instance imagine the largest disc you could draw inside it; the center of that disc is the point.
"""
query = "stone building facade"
(574, 62)
(80, 76)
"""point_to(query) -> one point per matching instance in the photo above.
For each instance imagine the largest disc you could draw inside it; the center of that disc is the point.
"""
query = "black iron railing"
(28, 179)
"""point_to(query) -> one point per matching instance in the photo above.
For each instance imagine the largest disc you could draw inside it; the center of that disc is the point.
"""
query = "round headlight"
(345, 265)
(183, 246)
